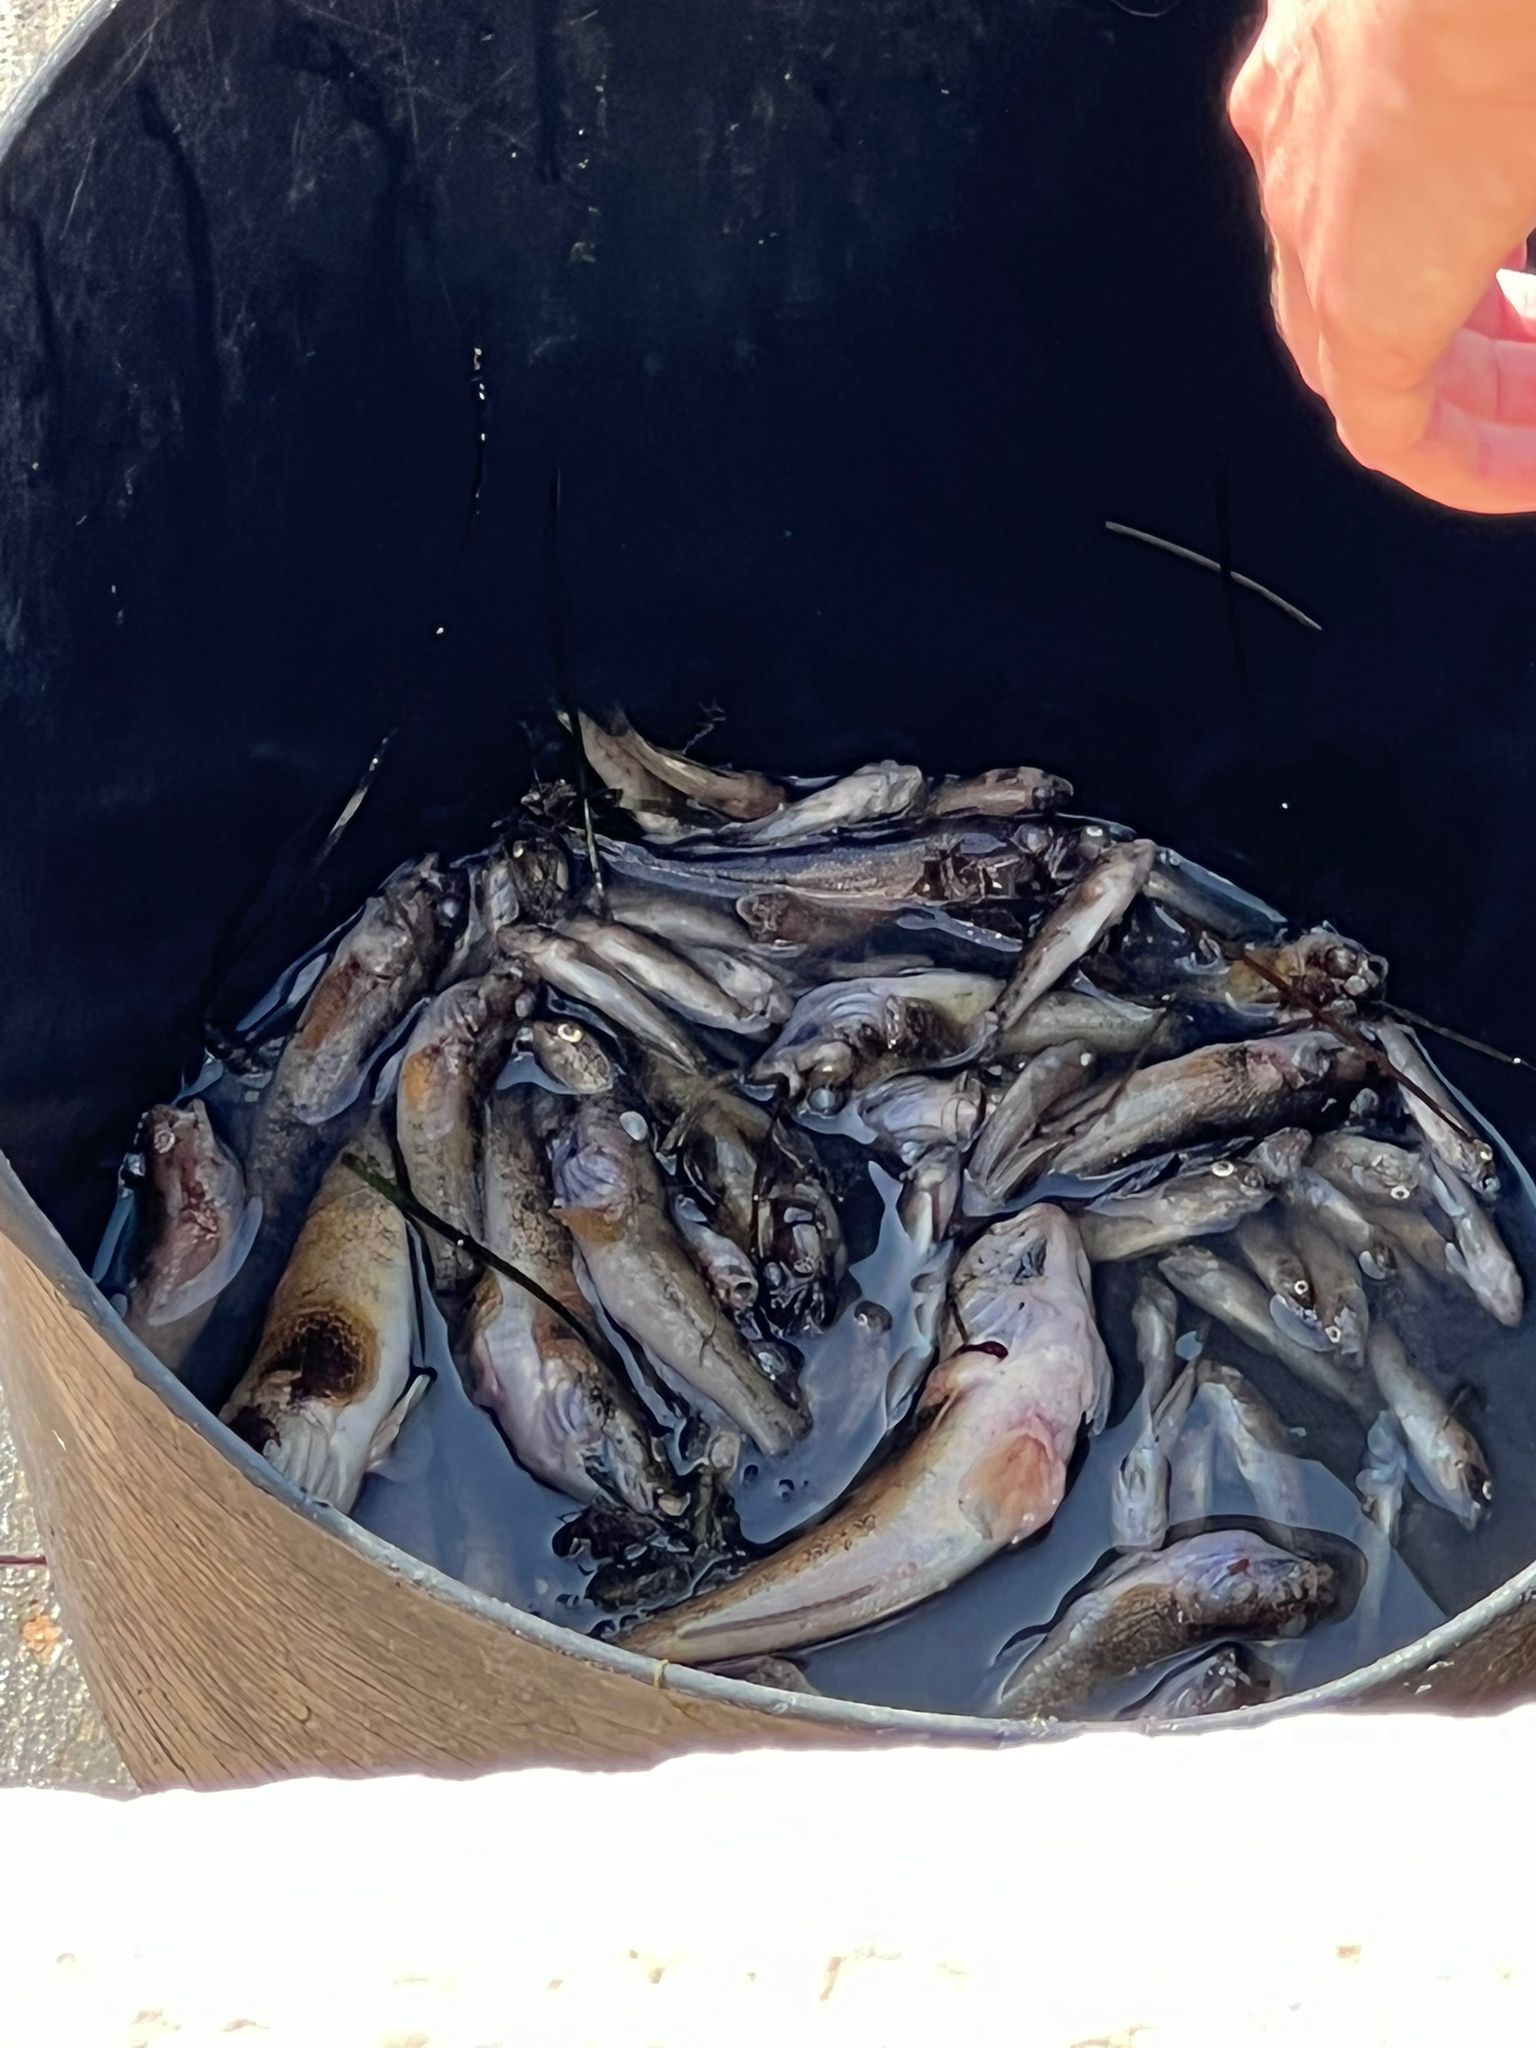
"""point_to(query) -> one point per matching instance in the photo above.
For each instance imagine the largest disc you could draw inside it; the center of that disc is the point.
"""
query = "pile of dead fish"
(597, 1069)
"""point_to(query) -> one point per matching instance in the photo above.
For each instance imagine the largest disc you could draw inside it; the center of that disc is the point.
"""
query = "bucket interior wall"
(846, 329)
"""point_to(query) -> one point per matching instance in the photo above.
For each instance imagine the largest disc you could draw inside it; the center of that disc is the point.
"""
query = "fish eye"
(1222, 1168)
(1399, 1193)
(571, 1033)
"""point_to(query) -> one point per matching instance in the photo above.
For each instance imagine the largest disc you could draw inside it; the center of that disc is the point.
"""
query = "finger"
(1494, 459)
(1507, 310)
(1294, 316)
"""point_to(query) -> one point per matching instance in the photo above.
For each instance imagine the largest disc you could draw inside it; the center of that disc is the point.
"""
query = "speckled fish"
(611, 1200)
(1369, 1166)
(1235, 1298)
(1257, 1441)
(666, 974)
(1155, 1324)
(879, 793)
(999, 1160)
(1138, 1496)
(572, 970)
(999, 793)
(916, 1112)
(1023, 1368)
(1200, 1203)
(570, 1055)
(569, 1417)
(1339, 1298)
(852, 1034)
(1479, 1258)
(1312, 1194)
(452, 1056)
(731, 1275)
(1445, 1453)
(964, 862)
(1446, 1128)
(1148, 1609)
(1094, 904)
(330, 1385)
(197, 1228)
(1212, 1091)
(1218, 1683)
(734, 792)
(384, 964)
(1272, 1255)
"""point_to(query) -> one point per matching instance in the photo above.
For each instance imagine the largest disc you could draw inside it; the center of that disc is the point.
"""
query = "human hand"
(1395, 144)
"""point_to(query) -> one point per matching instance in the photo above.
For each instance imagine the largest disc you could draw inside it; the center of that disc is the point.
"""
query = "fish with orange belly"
(1022, 1368)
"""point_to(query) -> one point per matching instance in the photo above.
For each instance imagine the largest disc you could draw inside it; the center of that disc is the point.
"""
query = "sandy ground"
(49, 1731)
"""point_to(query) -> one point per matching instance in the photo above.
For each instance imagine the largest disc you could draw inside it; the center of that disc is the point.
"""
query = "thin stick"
(1172, 547)
(560, 661)
(8, 1563)
(1492, 1052)
(461, 1240)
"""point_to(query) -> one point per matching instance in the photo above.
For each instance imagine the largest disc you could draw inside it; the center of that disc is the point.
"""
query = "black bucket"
(848, 330)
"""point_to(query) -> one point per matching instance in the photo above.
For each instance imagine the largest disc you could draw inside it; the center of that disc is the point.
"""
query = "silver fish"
(1091, 907)
(1155, 1322)
(1235, 1298)
(384, 964)
(1023, 1368)
(656, 772)
(851, 1034)
(999, 793)
(1445, 1453)
(1479, 1257)
(1217, 1683)
(731, 1275)
(198, 1228)
(569, 967)
(1369, 1166)
(664, 973)
(569, 1417)
(1138, 1499)
(1105, 1024)
(1313, 1195)
(451, 1058)
(1382, 1477)
(330, 1385)
(883, 791)
(1257, 1441)
(999, 1161)
(680, 920)
(661, 810)
(611, 1200)
(498, 884)
(1413, 1232)
(1201, 1203)
(916, 1112)
(570, 1055)
(756, 991)
(964, 862)
(1272, 1255)
(1147, 1609)
(1213, 1091)
(1446, 1127)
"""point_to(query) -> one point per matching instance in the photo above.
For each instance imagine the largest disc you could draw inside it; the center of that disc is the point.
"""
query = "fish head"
(571, 1056)
(1231, 1579)
(1281, 1154)
(540, 875)
(596, 1173)
(1460, 1474)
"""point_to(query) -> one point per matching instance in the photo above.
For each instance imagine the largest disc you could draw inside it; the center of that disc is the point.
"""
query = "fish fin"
(1103, 1391)
(389, 1429)
(303, 1451)
(206, 1286)
(1014, 1489)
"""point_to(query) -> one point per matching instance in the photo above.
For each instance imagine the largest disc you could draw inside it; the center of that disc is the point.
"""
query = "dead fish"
(570, 968)
(848, 1035)
(1200, 1203)
(384, 964)
(1218, 1683)
(916, 1112)
(1325, 1202)
(1410, 1230)
(570, 1418)
(1272, 1255)
(1445, 1454)
(665, 974)
(1257, 1441)
(1155, 1323)
(788, 921)
(493, 901)
(680, 920)
(451, 1058)
(1445, 1127)
(1281, 1154)
(660, 810)
(198, 1227)
(1104, 1024)
(999, 793)
(1369, 1167)
(611, 1200)
(1091, 907)
(1023, 1368)
(1212, 1091)
(1383, 1476)
(756, 991)
(880, 793)
(999, 1163)
(968, 861)
(1479, 1257)
(1321, 970)
(1235, 1298)
(731, 1275)
(330, 1385)
(1192, 1481)
(1138, 1499)
(1341, 1307)
(1147, 1609)
(733, 792)
(570, 1055)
